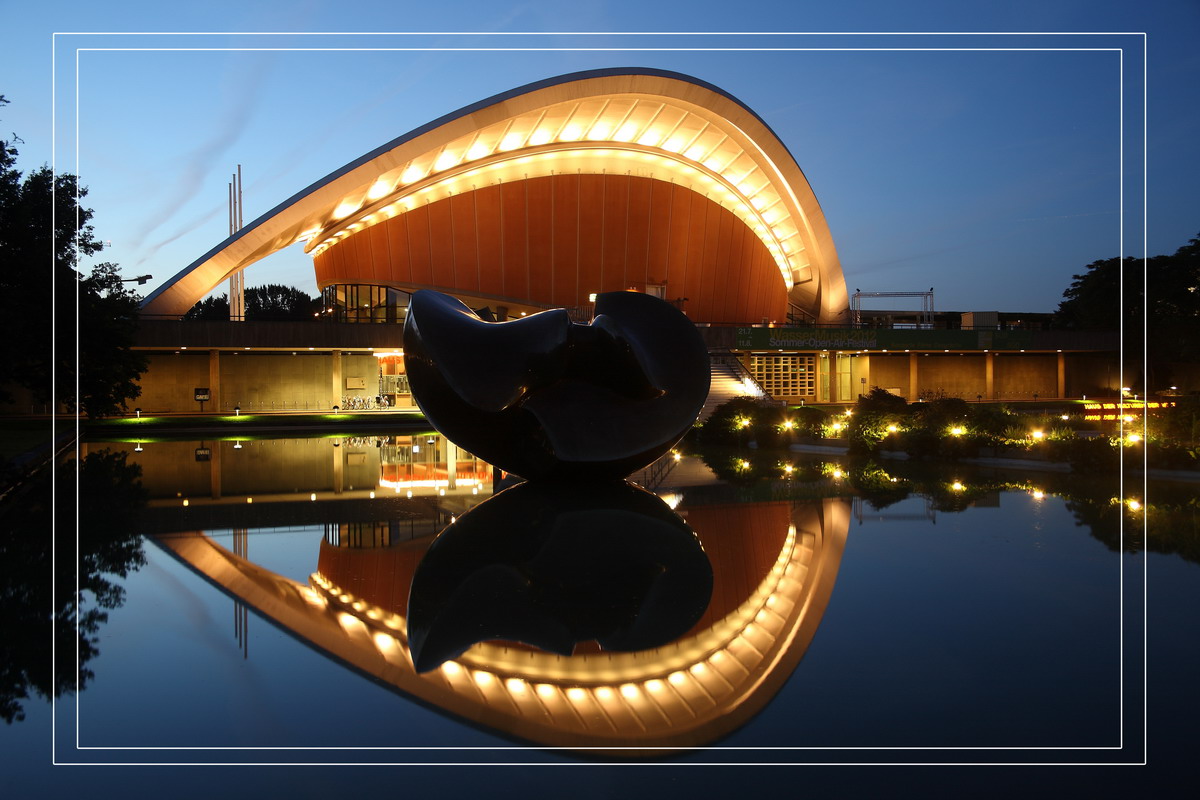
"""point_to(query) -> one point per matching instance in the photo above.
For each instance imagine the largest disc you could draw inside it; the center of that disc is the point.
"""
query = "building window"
(785, 374)
(360, 302)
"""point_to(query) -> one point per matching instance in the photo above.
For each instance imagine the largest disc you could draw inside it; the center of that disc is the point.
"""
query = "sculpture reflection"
(557, 567)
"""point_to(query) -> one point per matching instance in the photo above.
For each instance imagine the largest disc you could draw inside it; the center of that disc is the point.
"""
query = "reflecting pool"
(265, 601)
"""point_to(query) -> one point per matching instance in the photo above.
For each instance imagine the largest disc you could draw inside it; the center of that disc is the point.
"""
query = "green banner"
(764, 338)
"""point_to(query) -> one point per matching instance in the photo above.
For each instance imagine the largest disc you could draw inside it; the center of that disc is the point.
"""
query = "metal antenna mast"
(237, 281)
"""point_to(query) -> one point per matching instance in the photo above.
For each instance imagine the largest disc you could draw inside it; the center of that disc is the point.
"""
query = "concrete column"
(214, 379)
(817, 377)
(1062, 375)
(912, 377)
(335, 385)
(989, 373)
(451, 464)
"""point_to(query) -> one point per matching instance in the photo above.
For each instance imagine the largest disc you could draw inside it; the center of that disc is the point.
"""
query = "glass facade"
(362, 302)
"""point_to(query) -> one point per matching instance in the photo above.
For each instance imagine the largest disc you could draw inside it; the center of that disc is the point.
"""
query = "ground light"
(1039, 435)
(892, 428)
(957, 486)
(957, 430)
(138, 411)
(1133, 504)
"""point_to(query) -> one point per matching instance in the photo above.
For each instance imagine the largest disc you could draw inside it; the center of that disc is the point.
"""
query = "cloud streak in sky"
(247, 85)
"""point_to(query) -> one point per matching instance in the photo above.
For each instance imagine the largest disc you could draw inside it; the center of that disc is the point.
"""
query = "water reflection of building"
(774, 565)
(417, 482)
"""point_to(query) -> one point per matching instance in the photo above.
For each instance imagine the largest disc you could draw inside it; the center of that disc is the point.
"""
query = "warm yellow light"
(477, 150)
(745, 423)
(651, 138)
(654, 686)
(312, 496)
(540, 136)
(629, 691)
(743, 464)
(788, 424)
(451, 668)
(515, 685)
(676, 456)
(1065, 417)
(892, 428)
(789, 469)
(511, 141)
(1133, 504)
(185, 502)
(599, 132)
(483, 678)
(545, 690)
(249, 499)
(412, 174)
(1127, 418)
(1038, 494)
(1134, 438)
(626, 132)
(956, 486)
(571, 133)
(1039, 434)
(676, 678)
(957, 430)
(575, 694)
(837, 426)
(837, 473)
(343, 209)
(379, 189)
(674, 144)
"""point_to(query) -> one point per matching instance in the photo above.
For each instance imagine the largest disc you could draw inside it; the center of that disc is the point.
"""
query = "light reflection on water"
(978, 615)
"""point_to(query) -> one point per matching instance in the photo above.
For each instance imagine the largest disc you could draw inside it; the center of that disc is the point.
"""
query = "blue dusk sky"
(987, 166)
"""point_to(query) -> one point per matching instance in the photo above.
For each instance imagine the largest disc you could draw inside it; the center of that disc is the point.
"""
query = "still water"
(849, 613)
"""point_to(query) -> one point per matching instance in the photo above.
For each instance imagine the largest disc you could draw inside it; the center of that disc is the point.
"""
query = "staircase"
(726, 383)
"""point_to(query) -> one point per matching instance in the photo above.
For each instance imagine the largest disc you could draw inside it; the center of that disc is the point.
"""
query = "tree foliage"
(1160, 297)
(44, 234)
(215, 307)
(51, 634)
(277, 302)
(270, 302)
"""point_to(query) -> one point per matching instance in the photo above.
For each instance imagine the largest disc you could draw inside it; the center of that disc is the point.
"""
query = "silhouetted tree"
(215, 307)
(40, 215)
(277, 302)
(1166, 287)
(33, 615)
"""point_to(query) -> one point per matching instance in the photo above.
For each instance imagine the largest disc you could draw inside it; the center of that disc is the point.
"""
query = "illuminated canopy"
(654, 136)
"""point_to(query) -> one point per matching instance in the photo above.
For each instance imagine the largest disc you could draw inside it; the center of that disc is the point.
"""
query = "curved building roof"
(588, 182)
